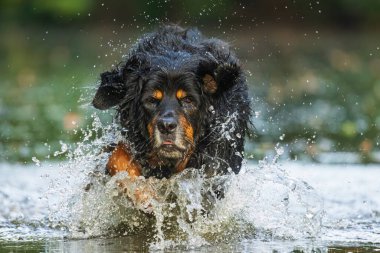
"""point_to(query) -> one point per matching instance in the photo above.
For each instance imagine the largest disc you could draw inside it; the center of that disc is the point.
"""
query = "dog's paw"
(145, 199)
(141, 194)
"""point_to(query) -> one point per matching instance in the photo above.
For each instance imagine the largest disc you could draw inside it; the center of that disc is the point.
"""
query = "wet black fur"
(223, 116)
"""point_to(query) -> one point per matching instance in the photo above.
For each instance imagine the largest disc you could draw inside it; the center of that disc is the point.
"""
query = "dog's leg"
(121, 160)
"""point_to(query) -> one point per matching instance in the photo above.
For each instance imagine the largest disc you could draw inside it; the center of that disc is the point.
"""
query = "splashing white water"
(260, 202)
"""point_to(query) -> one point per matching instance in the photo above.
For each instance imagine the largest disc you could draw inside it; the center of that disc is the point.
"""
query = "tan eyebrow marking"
(181, 94)
(157, 94)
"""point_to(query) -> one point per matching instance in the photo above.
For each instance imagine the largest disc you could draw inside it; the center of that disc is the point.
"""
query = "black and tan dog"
(183, 102)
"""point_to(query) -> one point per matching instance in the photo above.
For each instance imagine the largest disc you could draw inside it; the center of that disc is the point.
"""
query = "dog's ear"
(218, 77)
(110, 92)
(122, 84)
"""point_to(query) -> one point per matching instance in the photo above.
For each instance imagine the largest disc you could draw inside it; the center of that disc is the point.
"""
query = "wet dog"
(182, 101)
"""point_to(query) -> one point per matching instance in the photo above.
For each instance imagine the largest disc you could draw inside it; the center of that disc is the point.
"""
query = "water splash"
(262, 201)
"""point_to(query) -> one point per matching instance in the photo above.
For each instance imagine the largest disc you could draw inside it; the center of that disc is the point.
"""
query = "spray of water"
(187, 210)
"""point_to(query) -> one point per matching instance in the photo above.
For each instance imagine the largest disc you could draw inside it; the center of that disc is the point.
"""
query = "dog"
(182, 102)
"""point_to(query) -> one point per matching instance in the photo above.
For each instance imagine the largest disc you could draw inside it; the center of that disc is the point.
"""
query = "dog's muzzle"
(167, 125)
(168, 139)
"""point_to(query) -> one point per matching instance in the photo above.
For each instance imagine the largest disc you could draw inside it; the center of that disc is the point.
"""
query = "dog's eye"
(187, 100)
(153, 100)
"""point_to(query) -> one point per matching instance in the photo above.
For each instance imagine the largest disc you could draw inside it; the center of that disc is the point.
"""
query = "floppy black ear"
(218, 77)
(110, 92)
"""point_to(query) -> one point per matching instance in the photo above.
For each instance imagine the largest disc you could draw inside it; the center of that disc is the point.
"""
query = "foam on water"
(260, 202)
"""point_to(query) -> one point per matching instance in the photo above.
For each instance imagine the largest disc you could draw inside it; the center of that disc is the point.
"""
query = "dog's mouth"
(169, 146)
(170, 149)
(167, 143)
(171, 141)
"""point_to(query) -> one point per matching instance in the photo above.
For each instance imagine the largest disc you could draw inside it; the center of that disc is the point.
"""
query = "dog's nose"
(166, 125)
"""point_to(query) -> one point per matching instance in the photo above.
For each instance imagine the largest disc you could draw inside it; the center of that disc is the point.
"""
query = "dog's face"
(163, 105)
(171, 102)
(164, 91)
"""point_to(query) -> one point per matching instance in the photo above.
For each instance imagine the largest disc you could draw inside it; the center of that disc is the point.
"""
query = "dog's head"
(172, 104)
(163, 100)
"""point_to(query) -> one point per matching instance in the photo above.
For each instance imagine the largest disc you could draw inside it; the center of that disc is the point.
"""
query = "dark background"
(313, 69)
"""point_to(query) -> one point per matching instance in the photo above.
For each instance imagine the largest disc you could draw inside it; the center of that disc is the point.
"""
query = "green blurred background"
(313, 69)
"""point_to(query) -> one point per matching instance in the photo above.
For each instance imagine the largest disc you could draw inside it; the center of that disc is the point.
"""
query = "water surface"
(347, 219)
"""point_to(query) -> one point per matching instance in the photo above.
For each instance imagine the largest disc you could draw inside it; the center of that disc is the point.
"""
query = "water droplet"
(36, 161)
(279, 150)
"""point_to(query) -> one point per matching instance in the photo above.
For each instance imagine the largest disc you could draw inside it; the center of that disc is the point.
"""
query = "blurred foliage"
(320, 91)
(46, 73)
(342, 13)
(36, 11)
(349, 13)
(314, 68)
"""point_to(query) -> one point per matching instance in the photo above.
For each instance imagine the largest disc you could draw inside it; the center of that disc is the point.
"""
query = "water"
(267, 207)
